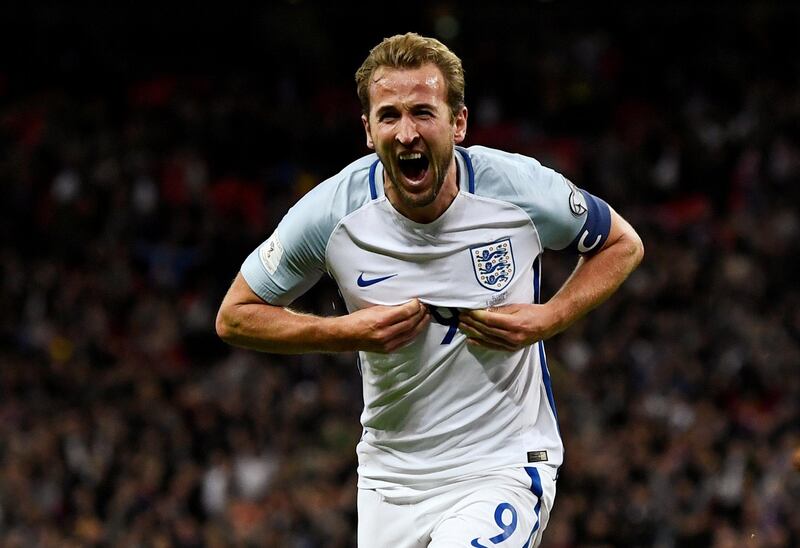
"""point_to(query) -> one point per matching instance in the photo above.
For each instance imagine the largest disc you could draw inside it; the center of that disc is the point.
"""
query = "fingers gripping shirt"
(437, 409)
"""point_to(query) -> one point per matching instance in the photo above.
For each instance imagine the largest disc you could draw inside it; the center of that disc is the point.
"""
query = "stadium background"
(146, 149)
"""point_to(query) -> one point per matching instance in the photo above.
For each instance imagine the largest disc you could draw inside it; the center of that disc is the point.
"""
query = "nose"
(407, 131)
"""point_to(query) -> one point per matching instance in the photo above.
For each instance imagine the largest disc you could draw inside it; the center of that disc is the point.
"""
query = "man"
(436, 250)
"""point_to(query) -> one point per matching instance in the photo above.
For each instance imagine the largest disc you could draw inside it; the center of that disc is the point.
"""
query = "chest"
(480, 254)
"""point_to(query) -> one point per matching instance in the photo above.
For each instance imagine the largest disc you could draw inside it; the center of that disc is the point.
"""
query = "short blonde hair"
(407, 51)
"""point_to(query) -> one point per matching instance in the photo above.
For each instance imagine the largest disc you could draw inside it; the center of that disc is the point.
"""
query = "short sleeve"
(566, 216)
(291, 260)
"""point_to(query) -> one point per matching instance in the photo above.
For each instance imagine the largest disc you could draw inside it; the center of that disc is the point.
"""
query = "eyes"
(392, 115)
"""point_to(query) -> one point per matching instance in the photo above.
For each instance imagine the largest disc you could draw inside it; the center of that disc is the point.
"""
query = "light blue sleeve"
(293, 259)
(565, 216)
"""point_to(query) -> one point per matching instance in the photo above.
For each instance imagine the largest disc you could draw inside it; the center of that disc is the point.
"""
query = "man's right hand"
(383, 328)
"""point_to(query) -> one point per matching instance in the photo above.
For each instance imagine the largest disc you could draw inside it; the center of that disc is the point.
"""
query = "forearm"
(279, 330)
(595, 279)
(247, 321)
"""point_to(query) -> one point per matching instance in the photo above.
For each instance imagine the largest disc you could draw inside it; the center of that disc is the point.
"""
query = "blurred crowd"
(128, 207)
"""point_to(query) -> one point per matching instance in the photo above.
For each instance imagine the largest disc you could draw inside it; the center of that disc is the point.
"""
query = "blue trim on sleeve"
(373, 190)
(594, 233)
(470, 170)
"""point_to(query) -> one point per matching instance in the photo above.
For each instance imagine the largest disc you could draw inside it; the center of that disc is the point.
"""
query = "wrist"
(559, 317)
(334, 334)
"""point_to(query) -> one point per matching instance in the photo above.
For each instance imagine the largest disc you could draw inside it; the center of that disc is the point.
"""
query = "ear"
(460, 125)
(365, 121)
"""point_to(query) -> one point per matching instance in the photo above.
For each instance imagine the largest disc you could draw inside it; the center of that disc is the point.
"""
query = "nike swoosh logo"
(366, 283)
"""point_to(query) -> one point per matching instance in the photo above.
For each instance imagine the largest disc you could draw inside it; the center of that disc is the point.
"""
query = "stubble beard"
(416, 200)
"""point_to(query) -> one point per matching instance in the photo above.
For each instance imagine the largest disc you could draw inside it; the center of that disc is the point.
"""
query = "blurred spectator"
(124, 422)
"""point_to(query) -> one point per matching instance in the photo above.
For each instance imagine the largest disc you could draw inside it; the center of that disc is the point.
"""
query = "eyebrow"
(384, 108)
(418, 106)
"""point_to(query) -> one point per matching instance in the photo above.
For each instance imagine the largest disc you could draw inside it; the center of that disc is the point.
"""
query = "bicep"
(620, 231)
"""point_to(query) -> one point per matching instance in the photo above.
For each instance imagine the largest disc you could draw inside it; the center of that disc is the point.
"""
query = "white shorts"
(506, 508)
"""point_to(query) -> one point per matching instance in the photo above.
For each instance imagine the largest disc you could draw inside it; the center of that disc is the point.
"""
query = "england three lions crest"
(493, 264)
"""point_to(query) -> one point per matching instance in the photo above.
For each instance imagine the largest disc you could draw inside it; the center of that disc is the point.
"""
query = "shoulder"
(486, 156)
(500, 172)
(511, 177)
(343, 193)
(336, 197)
(307, 226)
(549, 199)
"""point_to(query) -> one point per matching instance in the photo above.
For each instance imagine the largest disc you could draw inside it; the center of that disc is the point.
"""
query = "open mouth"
(413, 165)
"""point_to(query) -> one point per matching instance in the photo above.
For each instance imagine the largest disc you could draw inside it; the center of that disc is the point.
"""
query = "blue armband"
(594, 233)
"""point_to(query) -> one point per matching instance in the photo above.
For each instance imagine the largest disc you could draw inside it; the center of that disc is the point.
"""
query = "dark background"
(145, 150)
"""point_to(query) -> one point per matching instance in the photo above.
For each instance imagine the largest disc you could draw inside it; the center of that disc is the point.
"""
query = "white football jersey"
(437, 409)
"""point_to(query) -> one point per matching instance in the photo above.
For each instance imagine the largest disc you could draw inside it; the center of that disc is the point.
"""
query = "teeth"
(411, 156)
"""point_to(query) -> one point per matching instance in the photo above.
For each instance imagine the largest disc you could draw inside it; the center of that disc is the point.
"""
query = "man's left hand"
(508, 328)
